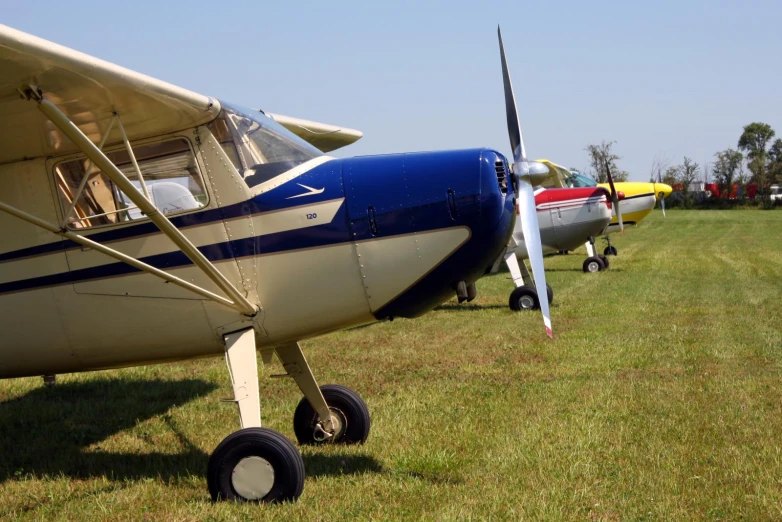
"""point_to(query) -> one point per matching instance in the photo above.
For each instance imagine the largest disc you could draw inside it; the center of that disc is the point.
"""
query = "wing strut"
(89, 243)
(67, 127)
(86, 177)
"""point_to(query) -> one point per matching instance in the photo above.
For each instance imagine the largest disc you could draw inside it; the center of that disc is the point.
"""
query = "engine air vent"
(502, 176)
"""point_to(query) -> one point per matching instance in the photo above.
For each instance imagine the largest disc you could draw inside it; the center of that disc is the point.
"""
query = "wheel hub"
(339, 424)
(253, 478)
(526, 302)
(593, 267)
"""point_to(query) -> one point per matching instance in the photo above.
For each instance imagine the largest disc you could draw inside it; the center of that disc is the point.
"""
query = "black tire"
(610, 251)
(524, 298)
(223, 473)
(604, 259)
(345, 404)
(549, 294)
(593, 264)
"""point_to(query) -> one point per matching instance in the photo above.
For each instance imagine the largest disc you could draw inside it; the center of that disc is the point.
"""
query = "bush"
(700, 201)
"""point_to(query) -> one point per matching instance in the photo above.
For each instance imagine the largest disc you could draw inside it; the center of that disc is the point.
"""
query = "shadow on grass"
(48, 430)
(317, 465)
(469, 307)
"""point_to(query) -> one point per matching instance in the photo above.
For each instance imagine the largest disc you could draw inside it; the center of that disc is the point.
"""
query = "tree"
(687, 174)
(671, 176)
(599, 156)
(727, 166)
(754, 141)
(706, 171)
(775, 160)
(660, 166)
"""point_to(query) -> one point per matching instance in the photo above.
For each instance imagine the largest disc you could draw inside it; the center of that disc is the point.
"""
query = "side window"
(222, 134)
(169, 171)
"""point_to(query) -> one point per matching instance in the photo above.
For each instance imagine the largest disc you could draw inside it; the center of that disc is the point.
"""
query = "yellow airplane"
(638, 201)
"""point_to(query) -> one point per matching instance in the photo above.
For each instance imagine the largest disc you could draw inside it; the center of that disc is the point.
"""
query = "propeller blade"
(662, 198)
(614, 197)
(514, 129)
(526, 197)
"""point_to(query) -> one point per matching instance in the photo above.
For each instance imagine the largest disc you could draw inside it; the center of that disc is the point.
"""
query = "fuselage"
(318, 245)
(638, 198)
(567, 217)
(639, 201)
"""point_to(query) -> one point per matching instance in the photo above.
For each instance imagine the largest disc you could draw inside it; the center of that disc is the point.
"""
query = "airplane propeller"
(662, 196)
(614, 196)
(526, 197)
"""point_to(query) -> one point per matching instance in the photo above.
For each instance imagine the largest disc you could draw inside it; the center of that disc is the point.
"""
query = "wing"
(557, 175)
(321, 135)
(88, 91)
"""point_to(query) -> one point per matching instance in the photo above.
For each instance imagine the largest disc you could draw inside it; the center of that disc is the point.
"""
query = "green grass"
(660, 399)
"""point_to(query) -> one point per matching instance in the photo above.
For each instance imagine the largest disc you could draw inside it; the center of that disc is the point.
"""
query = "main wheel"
(524, 298)
(349, 417)
(255, 465)
(549, 294)
(610, 251)
(604, 259)
(593, 264)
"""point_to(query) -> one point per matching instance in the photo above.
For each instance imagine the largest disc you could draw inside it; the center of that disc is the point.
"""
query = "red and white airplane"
(567, 218)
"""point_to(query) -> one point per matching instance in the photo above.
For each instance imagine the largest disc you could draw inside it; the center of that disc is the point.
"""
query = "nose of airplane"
(423, 222)
(662, 191)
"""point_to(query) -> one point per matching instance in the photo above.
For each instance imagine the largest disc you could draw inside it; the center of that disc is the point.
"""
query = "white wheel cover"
(253, 478)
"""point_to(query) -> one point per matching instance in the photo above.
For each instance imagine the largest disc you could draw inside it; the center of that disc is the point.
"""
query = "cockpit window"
(259, 147)
(579, 180)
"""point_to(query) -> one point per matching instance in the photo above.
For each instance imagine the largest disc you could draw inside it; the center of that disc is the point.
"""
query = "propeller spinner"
(526, 201)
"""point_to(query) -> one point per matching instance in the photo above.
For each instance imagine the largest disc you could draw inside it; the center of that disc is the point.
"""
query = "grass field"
(660, 399)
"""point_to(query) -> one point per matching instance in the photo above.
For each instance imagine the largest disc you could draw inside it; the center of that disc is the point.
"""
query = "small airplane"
(638, 202)
(145, 223)
(567, 217)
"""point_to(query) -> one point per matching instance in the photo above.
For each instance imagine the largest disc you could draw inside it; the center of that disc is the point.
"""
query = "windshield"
(259, 147)
(579, 180)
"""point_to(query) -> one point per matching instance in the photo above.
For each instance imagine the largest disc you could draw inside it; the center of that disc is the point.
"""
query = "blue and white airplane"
(144, 223)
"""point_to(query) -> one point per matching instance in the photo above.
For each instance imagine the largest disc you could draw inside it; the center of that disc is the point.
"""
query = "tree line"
(757, 159)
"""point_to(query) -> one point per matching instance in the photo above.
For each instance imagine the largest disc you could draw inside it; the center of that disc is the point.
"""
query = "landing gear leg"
(590, 246)
(253, 464)
(328, 413)
(594, 263)
(609, 250)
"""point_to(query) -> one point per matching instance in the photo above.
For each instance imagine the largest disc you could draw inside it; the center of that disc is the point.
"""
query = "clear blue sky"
(673, 77)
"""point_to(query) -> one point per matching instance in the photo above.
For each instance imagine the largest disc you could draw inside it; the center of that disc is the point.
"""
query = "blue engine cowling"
(412, 193)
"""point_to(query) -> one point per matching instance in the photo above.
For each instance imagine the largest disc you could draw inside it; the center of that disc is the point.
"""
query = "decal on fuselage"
(310, 191)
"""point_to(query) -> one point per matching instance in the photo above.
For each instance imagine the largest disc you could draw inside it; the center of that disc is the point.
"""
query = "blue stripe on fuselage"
(329, 234)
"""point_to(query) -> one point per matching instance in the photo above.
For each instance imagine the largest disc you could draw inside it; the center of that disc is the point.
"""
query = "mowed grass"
(659, 399)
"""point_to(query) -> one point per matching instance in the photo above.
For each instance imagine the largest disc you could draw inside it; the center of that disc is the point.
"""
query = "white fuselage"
(66, 309)
(567, 218)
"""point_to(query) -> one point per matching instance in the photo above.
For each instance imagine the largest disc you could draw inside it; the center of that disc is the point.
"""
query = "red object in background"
(714, 189)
